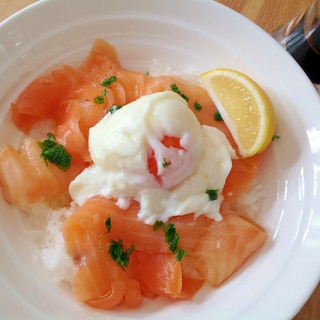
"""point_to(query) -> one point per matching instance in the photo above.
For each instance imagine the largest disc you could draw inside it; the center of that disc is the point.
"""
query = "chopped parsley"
(165, 163)
(217, 116)
(108, 224)
(212, 194)
(116, 248)
(275, 137)
(117, 253)
(197, 106)
(176, 89)
(171, 237)
(105, 83)
(180, 254)
(54, 153)
(114, 108)
(99, 99)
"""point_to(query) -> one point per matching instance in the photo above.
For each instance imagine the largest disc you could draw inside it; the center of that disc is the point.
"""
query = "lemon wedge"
(244, 106)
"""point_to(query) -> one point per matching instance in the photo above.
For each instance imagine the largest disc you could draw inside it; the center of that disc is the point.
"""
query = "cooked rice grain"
(44, 224)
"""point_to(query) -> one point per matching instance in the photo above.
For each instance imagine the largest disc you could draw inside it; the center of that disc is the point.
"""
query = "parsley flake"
(117, 253)
(116, 248)
(54, 153)
(217, 116)
(107, 82)
(114, 108)
(108, 224)
(171, 237)
(275, 137)
(99, 100)
(180, 254)
(165, 163)
(197, 106)
(176, 89)
(159, 225)
(212, 194)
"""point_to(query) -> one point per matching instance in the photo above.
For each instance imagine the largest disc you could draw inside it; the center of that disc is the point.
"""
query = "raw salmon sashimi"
(215, 251)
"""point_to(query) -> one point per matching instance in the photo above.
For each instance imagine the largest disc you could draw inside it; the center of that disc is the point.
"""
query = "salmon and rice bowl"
(131, 183)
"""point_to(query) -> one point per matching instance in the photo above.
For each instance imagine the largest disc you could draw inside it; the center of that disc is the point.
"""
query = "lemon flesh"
(244, 106)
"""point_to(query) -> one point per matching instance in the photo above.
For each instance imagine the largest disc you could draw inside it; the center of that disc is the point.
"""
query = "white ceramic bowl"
(191, 36)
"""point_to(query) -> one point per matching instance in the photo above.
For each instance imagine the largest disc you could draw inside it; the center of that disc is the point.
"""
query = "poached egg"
(155, 151)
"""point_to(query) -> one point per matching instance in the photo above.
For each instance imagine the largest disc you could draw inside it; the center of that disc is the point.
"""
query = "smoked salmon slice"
(67, 97)
(75, 99)
(220, 253)
(43, 97)
(26, 178)
(215, 249)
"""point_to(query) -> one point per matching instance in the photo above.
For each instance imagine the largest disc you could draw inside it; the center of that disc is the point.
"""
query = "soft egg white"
(122, 143)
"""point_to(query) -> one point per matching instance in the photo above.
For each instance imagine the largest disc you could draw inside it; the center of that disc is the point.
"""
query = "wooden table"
(268, 14)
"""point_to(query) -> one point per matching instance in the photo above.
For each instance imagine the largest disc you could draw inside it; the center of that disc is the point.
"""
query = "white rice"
(157, 68)
(43, 224)
(250, 203)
